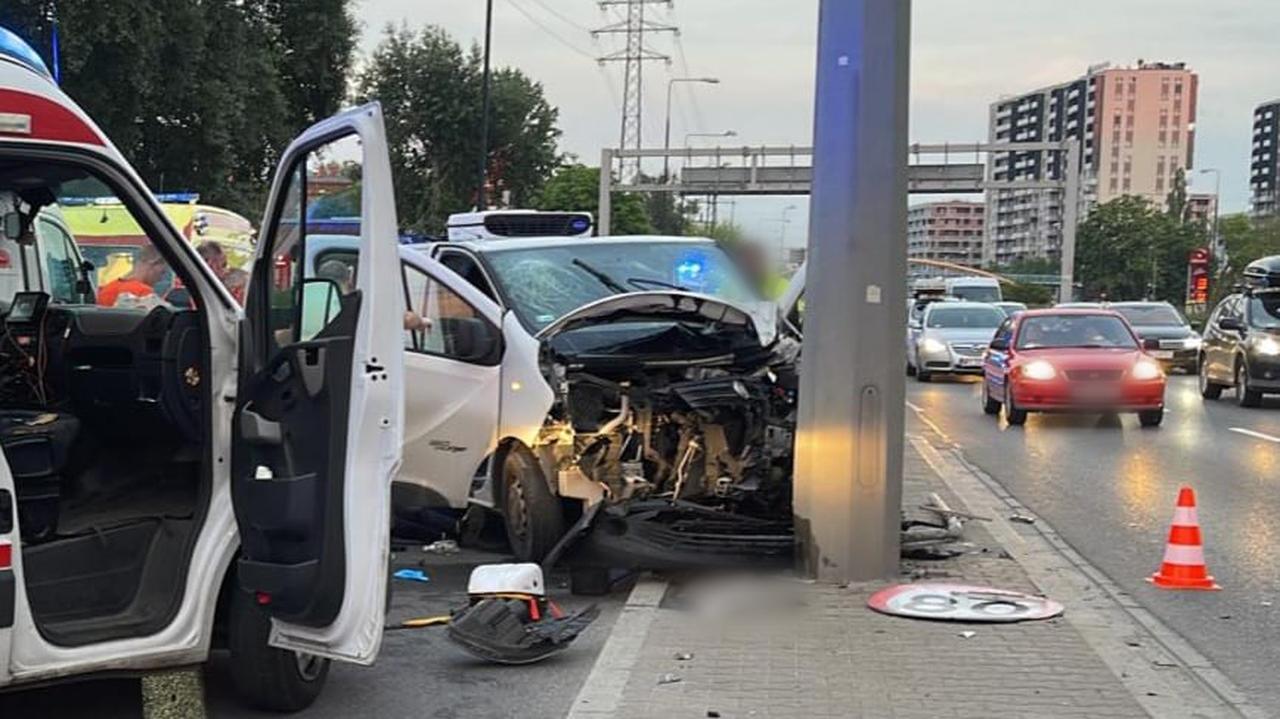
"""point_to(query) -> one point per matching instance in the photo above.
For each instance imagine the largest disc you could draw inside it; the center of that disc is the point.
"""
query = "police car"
(169, 475)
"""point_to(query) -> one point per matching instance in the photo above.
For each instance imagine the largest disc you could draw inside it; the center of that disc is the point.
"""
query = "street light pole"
(1217, 202)
(848, 471)
(485, 103)
(782, 235)
(666, 136)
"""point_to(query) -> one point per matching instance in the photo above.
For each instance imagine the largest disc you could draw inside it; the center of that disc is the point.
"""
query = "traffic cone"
(1183, 566)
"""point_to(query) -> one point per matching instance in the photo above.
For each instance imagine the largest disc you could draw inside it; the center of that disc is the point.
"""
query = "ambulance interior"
(102, 413)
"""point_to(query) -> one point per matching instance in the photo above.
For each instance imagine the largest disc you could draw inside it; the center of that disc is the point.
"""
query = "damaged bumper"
(662, 535)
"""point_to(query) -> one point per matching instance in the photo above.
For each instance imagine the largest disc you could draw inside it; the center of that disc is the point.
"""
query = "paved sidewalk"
(818, 651)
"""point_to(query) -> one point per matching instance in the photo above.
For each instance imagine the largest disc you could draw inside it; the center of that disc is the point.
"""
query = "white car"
(555, 377)
(165, 469)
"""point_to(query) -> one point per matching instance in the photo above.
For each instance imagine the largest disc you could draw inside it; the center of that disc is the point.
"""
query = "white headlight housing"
(1267, 346)
(1039, 370)
(1192, 343)
(1145, 369)
(932, 346)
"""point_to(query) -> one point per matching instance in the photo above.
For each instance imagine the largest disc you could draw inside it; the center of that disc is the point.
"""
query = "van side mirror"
(11, 226)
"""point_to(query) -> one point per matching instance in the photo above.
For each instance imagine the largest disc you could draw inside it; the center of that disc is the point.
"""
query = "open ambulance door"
(320, 405)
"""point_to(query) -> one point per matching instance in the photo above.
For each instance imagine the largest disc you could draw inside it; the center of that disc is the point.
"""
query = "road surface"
(1110, 491)
(419, 673)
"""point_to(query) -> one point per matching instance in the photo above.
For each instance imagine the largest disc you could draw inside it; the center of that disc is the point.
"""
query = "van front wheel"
(264, 677)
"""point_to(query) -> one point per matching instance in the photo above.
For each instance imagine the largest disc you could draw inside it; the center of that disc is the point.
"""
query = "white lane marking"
(928, 422)
(1255, 435)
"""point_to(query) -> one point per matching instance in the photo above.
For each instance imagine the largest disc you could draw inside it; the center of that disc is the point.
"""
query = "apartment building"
(1135, 127)
(950, 231)
(1264, 165)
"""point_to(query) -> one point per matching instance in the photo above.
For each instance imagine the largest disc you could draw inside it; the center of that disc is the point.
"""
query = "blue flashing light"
(179, 198)
(16, 48)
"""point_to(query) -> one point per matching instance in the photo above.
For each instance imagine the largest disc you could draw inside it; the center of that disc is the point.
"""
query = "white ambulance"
(174, 473)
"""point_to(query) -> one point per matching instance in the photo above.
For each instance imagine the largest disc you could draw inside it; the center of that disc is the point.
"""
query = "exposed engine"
(719, 437)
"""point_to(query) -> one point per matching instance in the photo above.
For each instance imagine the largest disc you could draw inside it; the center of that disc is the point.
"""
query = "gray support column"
(604, 219)
(1070, 218)
(848, 489)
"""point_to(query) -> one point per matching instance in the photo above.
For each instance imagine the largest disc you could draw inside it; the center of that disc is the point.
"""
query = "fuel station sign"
(1198, 277)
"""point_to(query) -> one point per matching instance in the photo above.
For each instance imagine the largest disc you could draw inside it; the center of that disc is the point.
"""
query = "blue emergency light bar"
(173, 198)
(15, 48)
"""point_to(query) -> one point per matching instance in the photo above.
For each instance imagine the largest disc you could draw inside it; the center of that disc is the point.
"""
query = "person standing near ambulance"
(138, 285)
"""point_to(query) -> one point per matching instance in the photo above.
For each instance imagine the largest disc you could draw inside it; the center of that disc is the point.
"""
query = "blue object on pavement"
(412, 575)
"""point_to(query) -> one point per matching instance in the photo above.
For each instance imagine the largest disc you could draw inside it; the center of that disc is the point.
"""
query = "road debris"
(419, 623)
(968, 635)
(412, 575)
(922, 539)
(443, 546)
(670, 679)
(1022, 519)
(684, 656)
(509, 619)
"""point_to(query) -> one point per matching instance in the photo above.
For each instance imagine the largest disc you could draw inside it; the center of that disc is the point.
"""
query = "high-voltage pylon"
(633, 57)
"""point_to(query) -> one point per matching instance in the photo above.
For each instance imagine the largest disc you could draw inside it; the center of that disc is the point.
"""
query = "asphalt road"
(1109, 489)
(419, 672)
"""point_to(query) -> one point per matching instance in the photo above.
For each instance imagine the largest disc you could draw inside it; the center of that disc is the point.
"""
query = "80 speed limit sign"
(962, 603)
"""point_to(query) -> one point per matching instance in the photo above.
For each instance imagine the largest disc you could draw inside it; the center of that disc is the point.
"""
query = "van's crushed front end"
(676, 424)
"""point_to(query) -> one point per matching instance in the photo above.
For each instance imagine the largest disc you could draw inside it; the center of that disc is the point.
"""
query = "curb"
(602, 689)
(1163, 672)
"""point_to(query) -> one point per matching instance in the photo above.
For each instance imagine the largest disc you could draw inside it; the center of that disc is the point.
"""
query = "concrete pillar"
(849, 445)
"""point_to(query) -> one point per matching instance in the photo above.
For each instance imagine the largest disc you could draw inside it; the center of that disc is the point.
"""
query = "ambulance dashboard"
(122, 370)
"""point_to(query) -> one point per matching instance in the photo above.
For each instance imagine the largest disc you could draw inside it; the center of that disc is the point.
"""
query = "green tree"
(430, 90)
(1128, 249)
(199, 96)
(1244, 239)
(576, 188)
(1176, 201)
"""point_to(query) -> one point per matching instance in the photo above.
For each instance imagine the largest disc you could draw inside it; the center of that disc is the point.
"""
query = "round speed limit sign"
(962, 603)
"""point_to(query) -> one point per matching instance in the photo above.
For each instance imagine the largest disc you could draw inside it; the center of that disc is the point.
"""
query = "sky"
(965, 54)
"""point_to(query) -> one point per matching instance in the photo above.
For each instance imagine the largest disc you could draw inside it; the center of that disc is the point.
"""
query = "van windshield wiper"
(604, 278)
(641, 282)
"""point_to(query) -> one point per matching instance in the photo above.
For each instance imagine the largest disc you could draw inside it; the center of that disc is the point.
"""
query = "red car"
(1071, 360)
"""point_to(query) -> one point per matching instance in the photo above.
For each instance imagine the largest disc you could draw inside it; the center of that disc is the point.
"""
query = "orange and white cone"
(1183, 566)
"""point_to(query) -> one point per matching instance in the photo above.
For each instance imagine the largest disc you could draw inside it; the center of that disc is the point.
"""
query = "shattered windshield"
(545, 283)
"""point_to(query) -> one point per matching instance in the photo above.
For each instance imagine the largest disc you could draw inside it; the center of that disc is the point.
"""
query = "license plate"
(1163, 354)
(1099, 392)
(969, 362)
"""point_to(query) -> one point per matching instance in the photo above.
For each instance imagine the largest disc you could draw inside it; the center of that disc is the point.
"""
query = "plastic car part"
(508, 629)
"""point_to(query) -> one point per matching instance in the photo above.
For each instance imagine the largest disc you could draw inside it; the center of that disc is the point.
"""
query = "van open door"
(320, 406)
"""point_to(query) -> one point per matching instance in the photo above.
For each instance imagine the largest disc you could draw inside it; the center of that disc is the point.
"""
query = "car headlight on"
(1145, 369)
(932, 346)
(1192, 343)
(1267, 346)
(1039, 370)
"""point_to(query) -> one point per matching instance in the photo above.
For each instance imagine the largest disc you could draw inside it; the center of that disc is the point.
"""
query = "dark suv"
(1241, 347)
